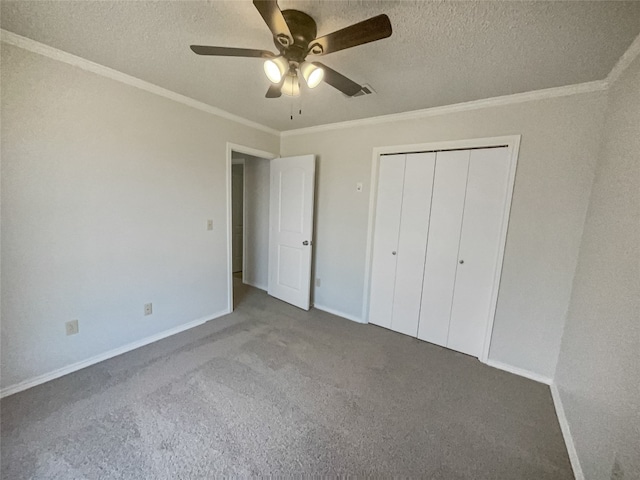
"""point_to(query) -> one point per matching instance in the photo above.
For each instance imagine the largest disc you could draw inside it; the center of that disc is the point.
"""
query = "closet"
(437, 244)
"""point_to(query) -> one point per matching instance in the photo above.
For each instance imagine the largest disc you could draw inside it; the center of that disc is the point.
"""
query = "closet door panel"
(385, 238)
(442, 247)
(412, 241)
(480, 244)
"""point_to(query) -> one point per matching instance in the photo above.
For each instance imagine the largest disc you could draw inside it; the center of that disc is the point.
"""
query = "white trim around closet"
(512, 142)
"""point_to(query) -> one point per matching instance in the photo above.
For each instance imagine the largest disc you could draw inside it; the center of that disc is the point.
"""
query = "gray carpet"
(273, 390)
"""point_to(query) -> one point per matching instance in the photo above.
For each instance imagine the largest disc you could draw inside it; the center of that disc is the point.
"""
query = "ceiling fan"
(294, 35)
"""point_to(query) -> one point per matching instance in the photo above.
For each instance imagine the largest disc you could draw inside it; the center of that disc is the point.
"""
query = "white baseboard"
(566, 433)
(32, 382)
(338, 313)
(255, 285)
(557, 402)
(536, 377)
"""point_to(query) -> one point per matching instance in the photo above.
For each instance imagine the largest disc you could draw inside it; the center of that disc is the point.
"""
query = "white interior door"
(412, 241)
(385, 239)
(291, 229)
(442, 248)
(480, 244)
(237, 214)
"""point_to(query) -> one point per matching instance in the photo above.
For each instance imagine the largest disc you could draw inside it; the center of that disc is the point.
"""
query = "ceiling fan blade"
(370, 30)
(231, 52)
(274, 19)
(275, 90)
(339, 81)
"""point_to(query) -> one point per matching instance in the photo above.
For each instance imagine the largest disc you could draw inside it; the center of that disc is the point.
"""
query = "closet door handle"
(306, 242)
(393, 253)
(461, 262)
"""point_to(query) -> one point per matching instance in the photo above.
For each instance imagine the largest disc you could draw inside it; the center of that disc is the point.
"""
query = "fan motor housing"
(303, 30)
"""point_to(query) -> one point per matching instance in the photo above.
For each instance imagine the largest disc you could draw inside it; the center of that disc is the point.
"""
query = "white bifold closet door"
(464, 243)
(400, 238)
(437, 243)
(442, 250)
(385, 242)
(479, 252)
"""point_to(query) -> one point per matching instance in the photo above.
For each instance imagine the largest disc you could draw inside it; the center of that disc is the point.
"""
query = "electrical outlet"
(317, 282)
(209, 224)
(71, 327)
(359, 187)
(148, 308)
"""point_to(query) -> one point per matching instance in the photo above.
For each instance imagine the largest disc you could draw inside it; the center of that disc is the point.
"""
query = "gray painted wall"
(106, 192)
(598, 374)
(560, 141)
(237, 216)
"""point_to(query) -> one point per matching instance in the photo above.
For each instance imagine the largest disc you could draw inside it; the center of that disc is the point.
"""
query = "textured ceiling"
(440, 52)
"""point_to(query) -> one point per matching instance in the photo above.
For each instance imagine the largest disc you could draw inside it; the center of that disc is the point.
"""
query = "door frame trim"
(234, 147)
(512, 142)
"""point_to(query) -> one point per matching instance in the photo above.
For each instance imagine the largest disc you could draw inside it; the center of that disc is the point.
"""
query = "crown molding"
(564, 91)
(599, 85)
(62, 56)
(625, 60)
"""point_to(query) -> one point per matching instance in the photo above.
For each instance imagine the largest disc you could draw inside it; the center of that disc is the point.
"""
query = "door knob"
(461, 262)
(393, 253)
(306, 242)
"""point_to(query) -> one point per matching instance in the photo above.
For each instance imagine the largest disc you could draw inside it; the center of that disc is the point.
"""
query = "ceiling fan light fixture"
(295, 36)
(275, 68)
(291, 86)
(312, 74)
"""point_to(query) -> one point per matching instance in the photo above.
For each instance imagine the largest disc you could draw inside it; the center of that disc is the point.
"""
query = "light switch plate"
(209, 224)
(71, 327)
(359, 187)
